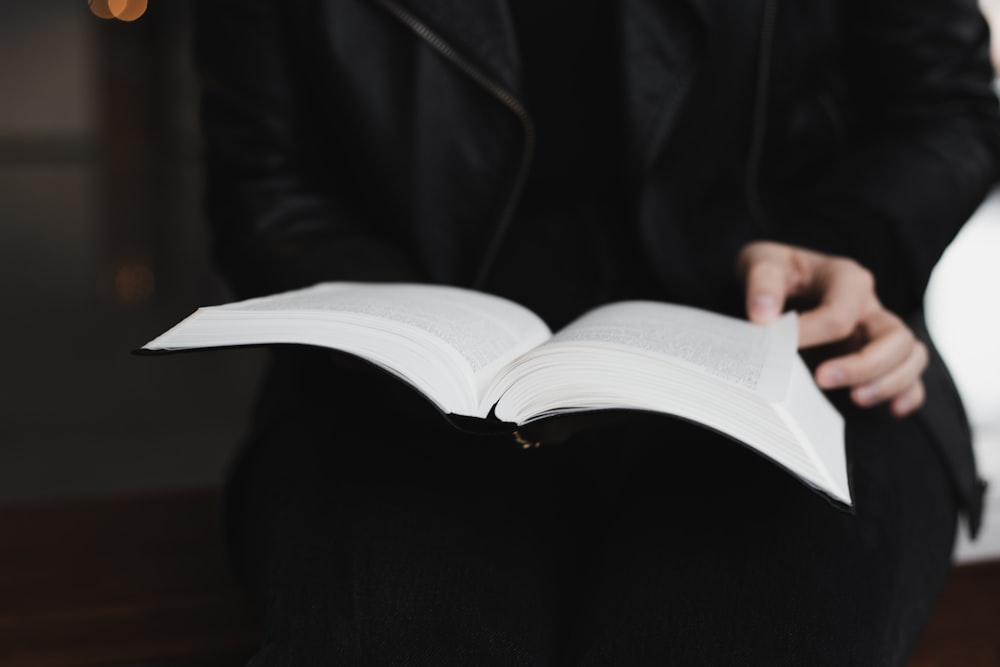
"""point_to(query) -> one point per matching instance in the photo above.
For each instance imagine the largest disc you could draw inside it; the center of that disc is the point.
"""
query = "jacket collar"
(660, 44)
(479, 31)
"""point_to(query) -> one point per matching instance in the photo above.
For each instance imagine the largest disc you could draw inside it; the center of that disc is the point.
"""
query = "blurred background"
(102, 246)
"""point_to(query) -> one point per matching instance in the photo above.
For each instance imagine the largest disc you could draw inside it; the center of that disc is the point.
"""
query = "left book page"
(447, 342)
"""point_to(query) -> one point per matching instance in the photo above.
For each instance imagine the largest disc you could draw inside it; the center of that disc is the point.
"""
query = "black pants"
(649, 543)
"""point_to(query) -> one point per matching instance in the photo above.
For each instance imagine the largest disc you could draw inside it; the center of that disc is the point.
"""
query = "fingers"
(886, 370)
(909, 400)
(880, 355)
(557, 430)
(847, 296)
(765, 292)
(888, 362)
(895, 383)
(768, 272)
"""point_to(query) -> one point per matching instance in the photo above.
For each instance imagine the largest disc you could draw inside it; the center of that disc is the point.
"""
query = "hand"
(885, 360)
(557, 430)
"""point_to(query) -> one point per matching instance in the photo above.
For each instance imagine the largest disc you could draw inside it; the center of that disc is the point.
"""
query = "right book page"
(732, 350)
(727, 374)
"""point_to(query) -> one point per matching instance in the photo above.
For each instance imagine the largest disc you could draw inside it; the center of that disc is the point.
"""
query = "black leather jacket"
(385, 139)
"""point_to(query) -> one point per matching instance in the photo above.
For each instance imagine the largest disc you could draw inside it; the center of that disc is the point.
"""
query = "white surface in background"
(963, 312)
(987, 545)
(963, 316)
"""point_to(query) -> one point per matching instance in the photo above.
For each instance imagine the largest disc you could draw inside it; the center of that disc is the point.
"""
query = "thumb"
(766, 280)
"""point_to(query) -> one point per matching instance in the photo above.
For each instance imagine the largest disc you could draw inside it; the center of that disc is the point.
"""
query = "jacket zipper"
(506, 98)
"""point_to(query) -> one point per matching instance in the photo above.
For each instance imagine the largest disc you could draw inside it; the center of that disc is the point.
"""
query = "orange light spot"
(100, 9)
(130, 9)
(134, 283)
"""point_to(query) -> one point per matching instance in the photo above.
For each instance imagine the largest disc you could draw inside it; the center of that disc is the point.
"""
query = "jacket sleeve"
(280, 214)
(924, 147)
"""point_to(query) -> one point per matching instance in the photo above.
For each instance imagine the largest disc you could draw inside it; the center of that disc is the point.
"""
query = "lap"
(746, 566)
(653, 544)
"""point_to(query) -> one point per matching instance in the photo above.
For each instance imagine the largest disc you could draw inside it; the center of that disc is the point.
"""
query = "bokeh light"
(133, 283)
(100, 9)
(130, 10)
(123, 10)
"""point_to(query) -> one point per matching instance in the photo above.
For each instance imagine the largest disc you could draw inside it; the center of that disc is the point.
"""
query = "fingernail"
(831, 377)
(866, 394)
(764, 305)
(902, 406)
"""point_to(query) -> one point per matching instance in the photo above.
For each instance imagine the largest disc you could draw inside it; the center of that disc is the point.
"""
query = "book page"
(809, 415)
(485, 330)
(737, 351)
(740, 379)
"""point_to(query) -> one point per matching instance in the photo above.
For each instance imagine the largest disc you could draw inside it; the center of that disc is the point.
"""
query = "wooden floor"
(965, 629)
(123, 581)
(141, 582)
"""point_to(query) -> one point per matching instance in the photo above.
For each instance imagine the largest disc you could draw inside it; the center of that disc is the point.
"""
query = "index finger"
(765, 272)
(847, 295)
(765, 291)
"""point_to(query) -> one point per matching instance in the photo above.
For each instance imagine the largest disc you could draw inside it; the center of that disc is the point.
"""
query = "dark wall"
(101, 247)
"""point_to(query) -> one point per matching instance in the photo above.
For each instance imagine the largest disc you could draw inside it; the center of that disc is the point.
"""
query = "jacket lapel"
(660, 40)
(479, 31)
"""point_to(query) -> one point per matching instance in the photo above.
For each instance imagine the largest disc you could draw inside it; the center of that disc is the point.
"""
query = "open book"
(478, 355)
